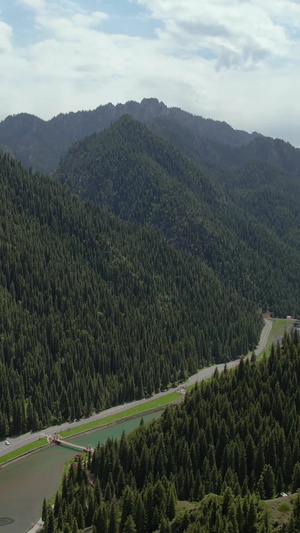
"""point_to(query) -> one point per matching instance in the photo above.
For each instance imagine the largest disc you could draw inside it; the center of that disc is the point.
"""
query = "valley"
(141, 245)
(79, 426)
(50, 462)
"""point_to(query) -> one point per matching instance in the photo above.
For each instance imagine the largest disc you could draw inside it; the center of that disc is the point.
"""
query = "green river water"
(24, 483)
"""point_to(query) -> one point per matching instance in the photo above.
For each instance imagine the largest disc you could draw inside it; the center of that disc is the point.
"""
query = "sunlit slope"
(96, 311)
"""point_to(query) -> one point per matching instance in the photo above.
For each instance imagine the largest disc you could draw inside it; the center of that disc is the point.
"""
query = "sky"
(231, 60)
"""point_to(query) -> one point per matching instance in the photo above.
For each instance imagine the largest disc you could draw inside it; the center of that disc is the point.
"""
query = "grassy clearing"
(280, 325)
(181, 504)
(21, 451)
(190, 387)
(136, 410)
(284, 508)
(280, 510)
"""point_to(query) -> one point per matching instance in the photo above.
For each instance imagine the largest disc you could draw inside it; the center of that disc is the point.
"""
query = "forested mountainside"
(143, 178)
(260, 174)
(220, 152)
(39, 144)
(232, 443)
(96, 311)
(270, 195)
(262, 177)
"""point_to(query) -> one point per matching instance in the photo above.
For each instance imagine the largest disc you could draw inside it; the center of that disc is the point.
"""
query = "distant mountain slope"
(141, 177)
(219, 151)
(39, 144)
(269, 194)
(262, 177)
(95, 311)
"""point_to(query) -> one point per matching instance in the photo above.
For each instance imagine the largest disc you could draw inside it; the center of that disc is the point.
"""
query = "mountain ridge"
(58, 133)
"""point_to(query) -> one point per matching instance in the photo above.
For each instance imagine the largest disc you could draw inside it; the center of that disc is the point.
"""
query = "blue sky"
(123, 16)
(232, 60)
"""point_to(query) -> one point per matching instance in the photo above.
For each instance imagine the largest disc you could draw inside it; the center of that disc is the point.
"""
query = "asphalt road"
(205, 373)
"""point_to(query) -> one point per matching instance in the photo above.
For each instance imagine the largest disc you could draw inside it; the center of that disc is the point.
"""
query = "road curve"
(208, 372)
(205, 373)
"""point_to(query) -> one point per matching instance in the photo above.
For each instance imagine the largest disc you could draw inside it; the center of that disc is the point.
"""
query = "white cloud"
(239, 33)
(250, 80)
(6, 33)
(33, 4)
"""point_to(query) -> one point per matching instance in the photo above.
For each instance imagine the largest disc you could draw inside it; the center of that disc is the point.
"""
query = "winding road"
(205, 373)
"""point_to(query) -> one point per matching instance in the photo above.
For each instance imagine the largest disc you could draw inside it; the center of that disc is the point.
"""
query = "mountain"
(234, 159)
(96, 311)
(142, 178)
(39, 144)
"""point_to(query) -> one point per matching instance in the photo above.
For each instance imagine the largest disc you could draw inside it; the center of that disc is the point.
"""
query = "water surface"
(25, 483)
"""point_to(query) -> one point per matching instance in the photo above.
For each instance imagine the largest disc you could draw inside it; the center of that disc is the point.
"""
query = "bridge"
(57, 439)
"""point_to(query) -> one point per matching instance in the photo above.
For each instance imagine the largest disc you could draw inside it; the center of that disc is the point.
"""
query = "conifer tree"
(296, 477)
(113, 524)
(129, 526)
(44, 511)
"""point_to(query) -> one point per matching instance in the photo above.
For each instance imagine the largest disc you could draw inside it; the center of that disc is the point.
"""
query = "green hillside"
(233, 443)
(269, 194)
(143, 178)
(96, 311)
(262, 176)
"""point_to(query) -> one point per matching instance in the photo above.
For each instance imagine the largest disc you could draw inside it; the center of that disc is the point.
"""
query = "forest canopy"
(233, 443)
(96, 311)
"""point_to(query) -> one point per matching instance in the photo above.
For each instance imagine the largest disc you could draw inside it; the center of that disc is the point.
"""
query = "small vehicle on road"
(7, 443)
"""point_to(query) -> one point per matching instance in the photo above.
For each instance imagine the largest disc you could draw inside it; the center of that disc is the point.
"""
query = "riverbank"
(37, 441)
(24, 483)
(146, 408)
(38, 526)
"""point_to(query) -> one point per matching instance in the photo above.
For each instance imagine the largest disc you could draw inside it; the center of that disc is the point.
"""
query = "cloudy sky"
(232, 60)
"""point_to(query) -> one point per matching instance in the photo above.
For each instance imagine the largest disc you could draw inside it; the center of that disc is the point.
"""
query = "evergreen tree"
(44, 511)
(113, 524)
(129, 526)
(296, 477)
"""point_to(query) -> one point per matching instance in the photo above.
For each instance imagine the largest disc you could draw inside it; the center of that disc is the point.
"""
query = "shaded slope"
(96, 311)
(270, 194)
(144, 179)
(222, 150)
(262, 177)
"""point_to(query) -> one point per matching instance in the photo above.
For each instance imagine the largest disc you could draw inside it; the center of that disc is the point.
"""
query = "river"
(24, 483)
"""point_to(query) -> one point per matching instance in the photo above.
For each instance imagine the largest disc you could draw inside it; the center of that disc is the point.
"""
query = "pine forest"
(138, 245)
(96, 311)
(233, 443)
